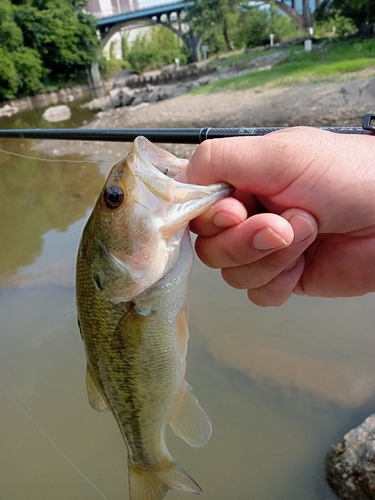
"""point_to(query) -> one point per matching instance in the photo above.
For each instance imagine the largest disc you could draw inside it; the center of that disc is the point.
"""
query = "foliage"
(154, 50)
(281, 25)
(8, 76)
(335, 23)
(20, 67)
(253, 28)
(359, 11)
(43, 43)
(230, 24)
(64, 38)
(29, 69)
(215, 20)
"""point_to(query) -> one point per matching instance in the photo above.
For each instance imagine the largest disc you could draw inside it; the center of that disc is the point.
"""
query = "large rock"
(101, 103)
(350, 465)
(57, 113)
(121, 96)
(8, 110)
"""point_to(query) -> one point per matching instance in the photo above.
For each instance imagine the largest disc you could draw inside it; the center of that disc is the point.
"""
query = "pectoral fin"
(188, 420)
(96, 398)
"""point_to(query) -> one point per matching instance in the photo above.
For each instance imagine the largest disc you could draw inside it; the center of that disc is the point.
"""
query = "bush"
(8, 76)
(156, 49)
(29, 70)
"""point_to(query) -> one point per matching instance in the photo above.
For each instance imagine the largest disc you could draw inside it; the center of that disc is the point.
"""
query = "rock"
(8, 110)
(204, 80)
(165, 92)
(121, 96)
(171, 68)
(192, 85)
(350, 465)
(153, 96)
(98, 103)
(120, 80)
(57, 113)
(138, 100)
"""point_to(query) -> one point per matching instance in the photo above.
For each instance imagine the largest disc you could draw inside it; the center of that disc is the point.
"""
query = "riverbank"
(69, 94)
(340, 103)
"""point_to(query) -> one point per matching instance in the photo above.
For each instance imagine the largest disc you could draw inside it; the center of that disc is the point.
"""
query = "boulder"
(57, 113)
(121, 97)
(98, 103)
(350, 464)
(8, 110)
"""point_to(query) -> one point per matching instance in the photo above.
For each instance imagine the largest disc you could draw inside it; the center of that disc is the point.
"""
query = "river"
(280, 385)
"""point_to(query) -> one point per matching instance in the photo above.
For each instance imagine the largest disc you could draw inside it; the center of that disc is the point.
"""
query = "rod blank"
(172, 135)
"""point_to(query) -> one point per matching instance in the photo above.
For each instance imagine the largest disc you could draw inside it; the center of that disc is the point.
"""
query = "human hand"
(302, 219)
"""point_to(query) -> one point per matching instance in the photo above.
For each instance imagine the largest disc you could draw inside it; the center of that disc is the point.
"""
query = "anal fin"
(188, 420)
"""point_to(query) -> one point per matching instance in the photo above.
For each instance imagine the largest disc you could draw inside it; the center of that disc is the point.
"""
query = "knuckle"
(233, 279)
(265, 297)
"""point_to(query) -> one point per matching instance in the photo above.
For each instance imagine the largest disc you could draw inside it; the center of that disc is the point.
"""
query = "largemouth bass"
(133, 267)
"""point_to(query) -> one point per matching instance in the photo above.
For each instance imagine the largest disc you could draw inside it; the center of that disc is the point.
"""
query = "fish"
(133, 266)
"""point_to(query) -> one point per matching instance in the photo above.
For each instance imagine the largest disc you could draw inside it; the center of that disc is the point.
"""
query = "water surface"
(280, 385)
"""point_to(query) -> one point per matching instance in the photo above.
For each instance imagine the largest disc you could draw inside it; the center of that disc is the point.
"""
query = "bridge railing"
(133, 6)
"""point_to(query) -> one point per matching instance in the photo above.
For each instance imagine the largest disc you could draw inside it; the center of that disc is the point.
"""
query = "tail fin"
(153, 483)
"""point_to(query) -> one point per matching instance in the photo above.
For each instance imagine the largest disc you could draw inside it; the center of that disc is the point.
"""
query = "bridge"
(167, 13)
(170, 14)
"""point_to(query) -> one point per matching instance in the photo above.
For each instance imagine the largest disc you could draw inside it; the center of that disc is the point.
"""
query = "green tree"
(361, 12)
(281, 25)
(42, 43)
(154, 50)
(8, 76)
(211, 17)
(62, 35)
(142, 55)
(20, 67)
(253, 27)
(167, 45)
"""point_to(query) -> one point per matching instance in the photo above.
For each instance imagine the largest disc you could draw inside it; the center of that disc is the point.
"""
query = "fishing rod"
(170, 135)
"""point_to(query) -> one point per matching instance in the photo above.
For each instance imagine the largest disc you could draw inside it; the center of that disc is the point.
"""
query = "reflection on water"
(280, 385)
(36, 197)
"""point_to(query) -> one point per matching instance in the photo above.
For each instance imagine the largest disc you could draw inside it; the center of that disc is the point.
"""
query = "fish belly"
(137, 360)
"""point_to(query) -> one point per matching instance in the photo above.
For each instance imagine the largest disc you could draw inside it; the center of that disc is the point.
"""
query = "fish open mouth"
(153, 156)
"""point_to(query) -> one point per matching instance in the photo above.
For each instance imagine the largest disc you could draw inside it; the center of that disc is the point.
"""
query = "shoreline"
(340, 103)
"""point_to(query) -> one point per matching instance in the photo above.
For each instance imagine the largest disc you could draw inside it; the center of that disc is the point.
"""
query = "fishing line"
(52, 442)
(50, 159)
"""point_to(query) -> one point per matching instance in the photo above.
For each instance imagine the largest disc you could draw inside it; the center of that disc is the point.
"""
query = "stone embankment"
(140, 90)
(48, 99)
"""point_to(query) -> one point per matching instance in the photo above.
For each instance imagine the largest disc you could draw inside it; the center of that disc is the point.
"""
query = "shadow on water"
(280, 385)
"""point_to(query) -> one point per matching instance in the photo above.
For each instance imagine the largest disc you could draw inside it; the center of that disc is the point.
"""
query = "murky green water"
(280, 385)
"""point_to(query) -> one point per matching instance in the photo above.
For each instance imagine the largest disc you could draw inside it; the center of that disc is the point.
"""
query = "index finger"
(229, 159)
(259, 165)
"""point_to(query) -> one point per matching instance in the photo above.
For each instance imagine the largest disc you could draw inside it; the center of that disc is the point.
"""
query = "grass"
(321, 64)
(238, 56)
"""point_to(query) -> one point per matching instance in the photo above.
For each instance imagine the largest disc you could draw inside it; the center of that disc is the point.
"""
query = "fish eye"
(113, 196)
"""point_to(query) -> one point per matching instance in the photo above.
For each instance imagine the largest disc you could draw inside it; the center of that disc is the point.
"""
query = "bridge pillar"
(192, 41)
(303, 20)
(95, 81)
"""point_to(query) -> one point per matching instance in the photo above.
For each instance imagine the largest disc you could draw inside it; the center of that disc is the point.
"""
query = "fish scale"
(133, 267)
